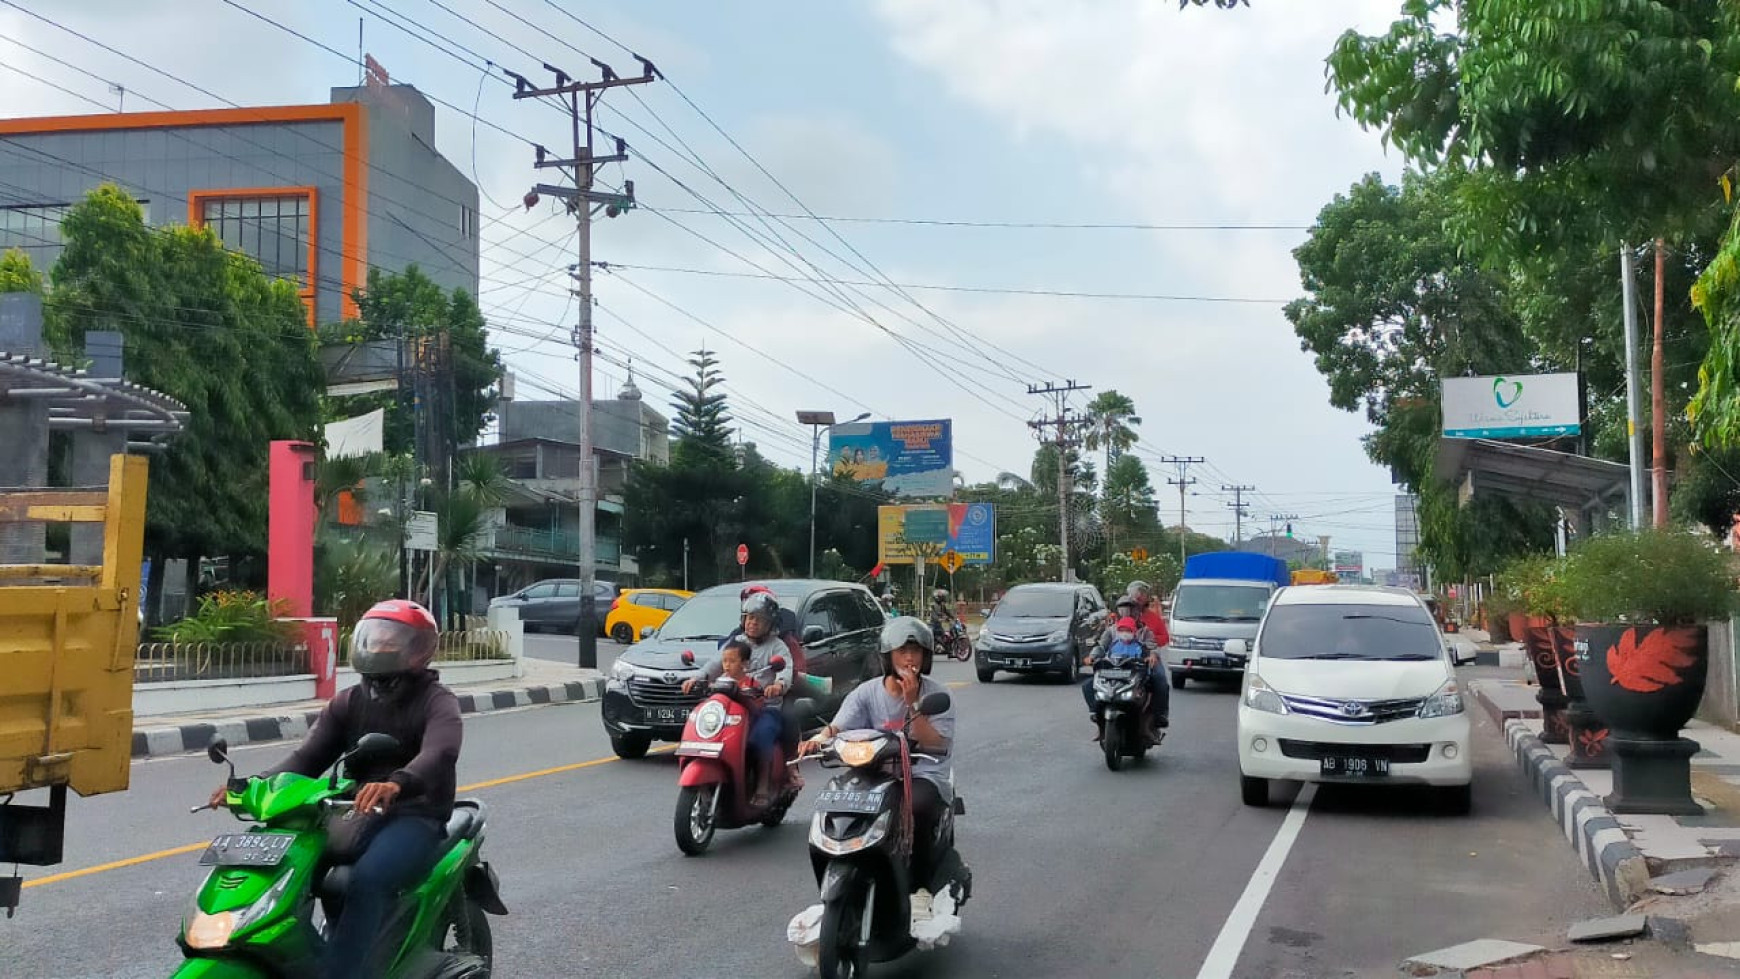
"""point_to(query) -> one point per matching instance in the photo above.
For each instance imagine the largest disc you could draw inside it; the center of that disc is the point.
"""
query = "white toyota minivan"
(1351, 683)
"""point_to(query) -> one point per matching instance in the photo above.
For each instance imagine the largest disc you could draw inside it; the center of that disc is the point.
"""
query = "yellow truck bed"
(68, 636)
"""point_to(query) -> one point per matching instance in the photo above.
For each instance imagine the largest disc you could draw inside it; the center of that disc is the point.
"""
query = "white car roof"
(1344, 595)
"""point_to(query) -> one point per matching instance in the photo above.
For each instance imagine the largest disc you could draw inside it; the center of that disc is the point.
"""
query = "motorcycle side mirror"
(934, 704)
(776, 664)
(688, 657)
(375, 744)
(218, 751)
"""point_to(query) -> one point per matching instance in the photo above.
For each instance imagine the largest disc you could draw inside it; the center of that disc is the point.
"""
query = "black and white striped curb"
(180, 739)
(1597, 837)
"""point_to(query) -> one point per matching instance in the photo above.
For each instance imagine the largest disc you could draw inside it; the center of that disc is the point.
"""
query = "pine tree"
(703, 421)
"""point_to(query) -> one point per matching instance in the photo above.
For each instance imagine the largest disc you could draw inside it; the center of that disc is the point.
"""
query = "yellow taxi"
(637, 609)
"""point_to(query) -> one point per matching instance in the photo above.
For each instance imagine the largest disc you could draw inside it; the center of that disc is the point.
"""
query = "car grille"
(1017, 640)
(1354, 711)
(1401, 754)
(649, 692)
(1192, 642)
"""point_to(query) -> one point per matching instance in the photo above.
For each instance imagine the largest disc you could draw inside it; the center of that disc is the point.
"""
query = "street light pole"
(817, 420)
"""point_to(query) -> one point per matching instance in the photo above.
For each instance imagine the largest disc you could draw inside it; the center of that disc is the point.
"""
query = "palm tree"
(1110, 420)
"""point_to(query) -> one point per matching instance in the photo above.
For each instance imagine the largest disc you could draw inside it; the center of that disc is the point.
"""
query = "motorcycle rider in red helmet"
(406, 795)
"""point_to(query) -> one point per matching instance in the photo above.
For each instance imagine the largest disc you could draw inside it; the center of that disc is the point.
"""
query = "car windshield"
(1350, 632)
(1035, 604)
(1219, 603)
(704, 617)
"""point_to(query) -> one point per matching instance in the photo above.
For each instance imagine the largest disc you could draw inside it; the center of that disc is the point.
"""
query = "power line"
(1060, 225)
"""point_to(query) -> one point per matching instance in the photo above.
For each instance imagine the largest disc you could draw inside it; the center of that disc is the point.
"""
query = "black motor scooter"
(861, 850)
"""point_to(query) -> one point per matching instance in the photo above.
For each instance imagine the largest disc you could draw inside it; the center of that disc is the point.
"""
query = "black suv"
(840, 624)
(1045, 627)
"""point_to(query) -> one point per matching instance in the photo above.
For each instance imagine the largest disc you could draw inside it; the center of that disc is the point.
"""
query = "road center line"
(196, 847)
(1230, 943)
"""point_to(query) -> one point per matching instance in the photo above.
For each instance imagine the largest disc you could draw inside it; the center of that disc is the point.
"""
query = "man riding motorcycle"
(907, 650)
(408, 794)
(760, 618)
(1148, 609)
(942, 617)
(1127, 607)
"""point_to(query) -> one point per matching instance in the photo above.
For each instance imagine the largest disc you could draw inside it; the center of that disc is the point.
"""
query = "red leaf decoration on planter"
(1654, 663)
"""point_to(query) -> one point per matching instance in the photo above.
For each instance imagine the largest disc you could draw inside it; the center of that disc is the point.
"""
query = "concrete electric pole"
(581, 98)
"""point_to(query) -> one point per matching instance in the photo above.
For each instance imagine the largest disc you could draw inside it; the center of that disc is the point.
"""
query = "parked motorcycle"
(861, 850)
(713, 769)
(254, 916)
(1121, 695)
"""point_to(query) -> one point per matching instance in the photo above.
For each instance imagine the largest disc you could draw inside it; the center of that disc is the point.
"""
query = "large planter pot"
(1518, 626)
(1587, 734)
(1646, 682)
(1544, 662)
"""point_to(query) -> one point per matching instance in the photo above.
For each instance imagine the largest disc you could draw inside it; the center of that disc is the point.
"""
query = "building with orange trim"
(319, 194)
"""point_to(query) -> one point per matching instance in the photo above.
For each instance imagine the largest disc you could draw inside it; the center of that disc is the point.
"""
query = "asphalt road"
(1078, 871)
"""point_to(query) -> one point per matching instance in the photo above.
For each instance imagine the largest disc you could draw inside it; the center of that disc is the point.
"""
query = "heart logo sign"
(1499, 385)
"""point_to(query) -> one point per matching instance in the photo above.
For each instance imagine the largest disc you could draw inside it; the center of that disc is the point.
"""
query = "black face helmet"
(900, 631)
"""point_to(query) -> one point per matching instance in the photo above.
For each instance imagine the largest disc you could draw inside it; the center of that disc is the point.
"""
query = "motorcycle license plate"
(247, 850)
(849, 800)
(666, 715)
(1341, 766)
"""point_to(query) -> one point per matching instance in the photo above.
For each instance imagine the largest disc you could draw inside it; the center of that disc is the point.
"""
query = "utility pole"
(1657, 411)
(1183, 482)
(581, 98)
(1239, 506)
(1065, 426)
(1628, 289)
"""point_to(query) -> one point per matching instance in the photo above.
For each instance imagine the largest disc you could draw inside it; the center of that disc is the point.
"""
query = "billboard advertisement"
(1508, 407)
(907, 458)
(1349, 563)
(968, 529)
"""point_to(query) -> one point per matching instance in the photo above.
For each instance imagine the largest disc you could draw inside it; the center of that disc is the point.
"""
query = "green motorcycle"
(256, 915)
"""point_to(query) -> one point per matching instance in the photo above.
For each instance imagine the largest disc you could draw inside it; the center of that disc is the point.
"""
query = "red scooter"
(713, 768)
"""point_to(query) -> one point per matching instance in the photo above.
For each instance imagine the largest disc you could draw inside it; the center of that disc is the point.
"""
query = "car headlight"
(1261, 696)
(1061, 635)
(1443, 703)
(214, 930)
(622, 670)
(709, 720)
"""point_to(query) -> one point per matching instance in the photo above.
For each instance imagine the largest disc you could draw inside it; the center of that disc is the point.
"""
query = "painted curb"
(151, 742)
(1592, 831)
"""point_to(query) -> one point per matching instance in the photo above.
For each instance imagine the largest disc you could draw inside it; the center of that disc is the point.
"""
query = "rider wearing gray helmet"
(907, 649)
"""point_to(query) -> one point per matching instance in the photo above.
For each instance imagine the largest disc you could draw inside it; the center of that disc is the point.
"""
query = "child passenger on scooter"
(764, 725)
(733, 660)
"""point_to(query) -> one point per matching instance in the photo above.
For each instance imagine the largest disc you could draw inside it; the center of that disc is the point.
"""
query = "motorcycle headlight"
(709, 720)
(622, 671)
(1261, 696)
(820, 839)
(857, 754)
(214, 930)
(1446, 701)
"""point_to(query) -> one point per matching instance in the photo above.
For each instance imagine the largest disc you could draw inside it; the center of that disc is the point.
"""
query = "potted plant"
(1641, 599)
(1529, 585)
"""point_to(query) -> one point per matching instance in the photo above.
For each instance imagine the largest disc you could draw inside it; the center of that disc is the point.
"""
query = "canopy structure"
(1578, 484)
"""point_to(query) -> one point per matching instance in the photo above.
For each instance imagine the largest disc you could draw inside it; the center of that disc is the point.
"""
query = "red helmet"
(1126, 624)
(743, 595)
(395, 636)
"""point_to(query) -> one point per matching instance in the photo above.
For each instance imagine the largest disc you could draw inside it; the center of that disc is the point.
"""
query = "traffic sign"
(742, 554)
(952, 561)
(1139, 554)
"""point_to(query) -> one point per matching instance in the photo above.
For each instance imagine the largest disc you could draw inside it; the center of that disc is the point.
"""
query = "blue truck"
(1222, 596)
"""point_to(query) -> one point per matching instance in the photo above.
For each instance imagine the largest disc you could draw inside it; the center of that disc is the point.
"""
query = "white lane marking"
(1230, 943)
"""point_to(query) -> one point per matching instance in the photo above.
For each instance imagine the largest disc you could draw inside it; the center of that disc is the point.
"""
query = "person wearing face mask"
(1127, 621)
(407, 794)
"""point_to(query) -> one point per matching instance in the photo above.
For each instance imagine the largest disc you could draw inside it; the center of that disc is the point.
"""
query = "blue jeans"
(398, 853)
(764, 735)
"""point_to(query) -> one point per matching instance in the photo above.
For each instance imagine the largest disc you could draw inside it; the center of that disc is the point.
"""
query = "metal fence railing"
(472, 645)
(163, 662)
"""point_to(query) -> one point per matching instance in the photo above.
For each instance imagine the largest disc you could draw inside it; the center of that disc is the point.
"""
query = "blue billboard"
(911, 459)
(968, 529)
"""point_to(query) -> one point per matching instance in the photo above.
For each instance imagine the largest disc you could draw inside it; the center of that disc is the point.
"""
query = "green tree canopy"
(209, 328)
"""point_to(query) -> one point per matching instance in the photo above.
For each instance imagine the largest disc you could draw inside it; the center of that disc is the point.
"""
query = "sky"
(1212, 127)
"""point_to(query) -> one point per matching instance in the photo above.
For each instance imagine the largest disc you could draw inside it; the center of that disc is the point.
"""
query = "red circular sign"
(743, 554)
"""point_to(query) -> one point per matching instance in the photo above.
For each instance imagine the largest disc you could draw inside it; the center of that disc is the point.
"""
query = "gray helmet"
(1139, 590)
(900, 631)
